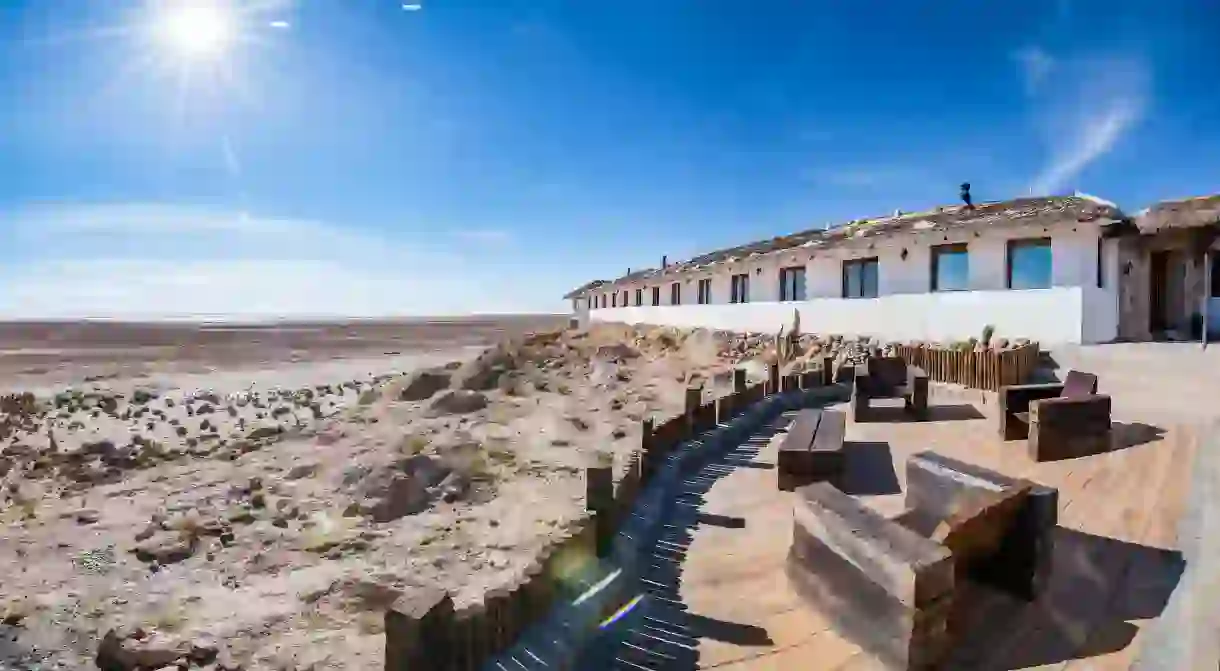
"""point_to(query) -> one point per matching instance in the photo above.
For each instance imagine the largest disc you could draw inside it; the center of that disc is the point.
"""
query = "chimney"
(663, 261)
(628, 271)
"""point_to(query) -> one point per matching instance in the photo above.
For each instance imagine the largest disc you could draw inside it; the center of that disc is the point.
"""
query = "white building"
(1040, 268)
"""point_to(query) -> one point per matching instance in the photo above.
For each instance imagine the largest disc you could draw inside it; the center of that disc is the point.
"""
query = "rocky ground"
(152, 522)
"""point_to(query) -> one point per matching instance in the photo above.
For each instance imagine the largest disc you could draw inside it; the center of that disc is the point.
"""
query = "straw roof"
(1021, 211)
(1178, 214)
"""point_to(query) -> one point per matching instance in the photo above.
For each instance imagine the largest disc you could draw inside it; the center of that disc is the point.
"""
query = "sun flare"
(196, 30)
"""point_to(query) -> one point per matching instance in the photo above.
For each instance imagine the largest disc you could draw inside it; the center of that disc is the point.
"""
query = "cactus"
(988, 331)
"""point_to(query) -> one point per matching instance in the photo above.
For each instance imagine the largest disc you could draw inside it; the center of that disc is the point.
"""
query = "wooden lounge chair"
(889, 377)
(812, 450)
(1060, 420)
(894, 586)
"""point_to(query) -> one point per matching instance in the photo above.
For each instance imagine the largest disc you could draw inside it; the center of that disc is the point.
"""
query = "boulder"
(404, 496)
(421, 385)
(459, 401)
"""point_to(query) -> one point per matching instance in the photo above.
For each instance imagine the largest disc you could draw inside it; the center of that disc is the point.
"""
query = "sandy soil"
(212, 504)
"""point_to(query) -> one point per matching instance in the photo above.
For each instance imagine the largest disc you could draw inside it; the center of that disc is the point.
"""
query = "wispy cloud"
(232, 163)
(155, 260)
(1035, 65)
(1086, 114)
(280, 25)
(486, 236)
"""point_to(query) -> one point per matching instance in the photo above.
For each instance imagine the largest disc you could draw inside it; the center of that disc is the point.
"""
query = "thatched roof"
(1185, 213)
(582, 289)
(1048, 210)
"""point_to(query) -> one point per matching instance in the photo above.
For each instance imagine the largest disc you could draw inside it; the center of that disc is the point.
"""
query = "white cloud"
(280, 25)
(159, 261)
(1035, 66)
(484, 236)
(1087, 116)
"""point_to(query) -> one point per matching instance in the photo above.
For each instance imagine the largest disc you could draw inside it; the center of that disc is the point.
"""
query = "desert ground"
(222, 497)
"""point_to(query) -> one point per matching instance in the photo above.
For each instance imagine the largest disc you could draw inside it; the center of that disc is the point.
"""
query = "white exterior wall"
(1073, 310)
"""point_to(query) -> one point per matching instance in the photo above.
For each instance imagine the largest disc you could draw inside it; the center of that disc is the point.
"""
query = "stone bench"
(1059, 420)
(891, 586)
(812, 450)
(889, 377)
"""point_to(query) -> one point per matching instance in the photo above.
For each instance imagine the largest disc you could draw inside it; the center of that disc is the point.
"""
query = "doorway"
(1167, 291)
(1158, 265)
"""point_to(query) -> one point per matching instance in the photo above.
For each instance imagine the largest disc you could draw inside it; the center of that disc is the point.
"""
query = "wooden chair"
(889, 377)
(894, 586)
(1060, 420)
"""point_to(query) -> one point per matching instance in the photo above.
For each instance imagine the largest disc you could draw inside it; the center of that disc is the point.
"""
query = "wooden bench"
(894, 586)
(813, 449)
(889, 377)
(1060, 420)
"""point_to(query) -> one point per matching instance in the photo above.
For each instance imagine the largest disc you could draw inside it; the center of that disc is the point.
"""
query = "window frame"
(940, 250)
(846, 267)
(1014, 244)
(784, 274)
(639, 297)
(675, 293)
(1101, 261)
(656, 296)
(739, 288)
(703, 295)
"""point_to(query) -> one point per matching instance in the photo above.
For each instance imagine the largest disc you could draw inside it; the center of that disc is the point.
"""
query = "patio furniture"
(812, 450)
(889, 377)
(894, 586)
(1060, 420)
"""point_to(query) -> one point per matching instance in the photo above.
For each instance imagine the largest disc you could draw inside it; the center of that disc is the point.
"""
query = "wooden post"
(691, 408)
(418, 630)
(648, 454)
(599, 499)
(1207, 289)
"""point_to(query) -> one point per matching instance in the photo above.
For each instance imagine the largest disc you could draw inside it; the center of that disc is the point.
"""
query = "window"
(614, 300)
(739, 288)
(1029, 263)
(639, 297)
(792, 284)
(675, 294)
(950, 268)
(860, 278)
(1215, 259)
(624, 298)
(656, 295)
(705, 292)
(1101, 263)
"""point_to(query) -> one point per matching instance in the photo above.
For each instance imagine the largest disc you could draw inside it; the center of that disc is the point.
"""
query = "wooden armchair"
(1060, 420)
(893, 586)
(889, 377)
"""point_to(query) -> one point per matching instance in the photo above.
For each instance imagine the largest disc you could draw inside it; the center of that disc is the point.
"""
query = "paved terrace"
(726, 603)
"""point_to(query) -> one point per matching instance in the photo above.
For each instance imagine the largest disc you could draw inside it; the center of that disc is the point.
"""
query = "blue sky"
(352, 156)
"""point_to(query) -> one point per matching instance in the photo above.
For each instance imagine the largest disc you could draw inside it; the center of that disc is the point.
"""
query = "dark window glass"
(656, 295)
(740, 288)
(639, 296)
(705, 292)
(1029, 264)
(950, 268)
(792, 284)
(675, 294)
(860, 278)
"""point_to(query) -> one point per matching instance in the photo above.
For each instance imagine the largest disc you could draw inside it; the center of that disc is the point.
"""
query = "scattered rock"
(421, 385)
(459, 401)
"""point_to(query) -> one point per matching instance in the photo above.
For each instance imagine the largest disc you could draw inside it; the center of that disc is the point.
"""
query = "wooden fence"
(988, 370)
(424, 632)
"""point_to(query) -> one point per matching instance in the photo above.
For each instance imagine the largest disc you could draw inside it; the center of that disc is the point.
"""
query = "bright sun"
(196, 30)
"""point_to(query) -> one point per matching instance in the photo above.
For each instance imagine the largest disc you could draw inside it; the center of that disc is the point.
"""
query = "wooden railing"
(425, 632)
(987, 370)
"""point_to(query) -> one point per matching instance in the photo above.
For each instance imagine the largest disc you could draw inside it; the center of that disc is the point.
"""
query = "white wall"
(1086, 313)
(1051, 316)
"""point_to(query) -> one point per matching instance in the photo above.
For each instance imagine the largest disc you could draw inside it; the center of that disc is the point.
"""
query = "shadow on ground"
(870, 469)
(953, 412)
(660, 632)
(1099, 586)
(1130, 434)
